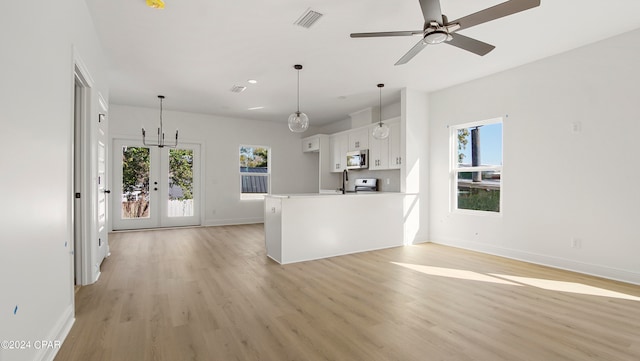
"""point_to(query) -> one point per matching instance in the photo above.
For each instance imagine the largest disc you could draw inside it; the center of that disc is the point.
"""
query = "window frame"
(254, 196)
(455, 169)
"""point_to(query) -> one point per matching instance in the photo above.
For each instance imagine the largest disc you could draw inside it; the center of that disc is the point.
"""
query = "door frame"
(161, 221)
(83, 224)
(102, 183)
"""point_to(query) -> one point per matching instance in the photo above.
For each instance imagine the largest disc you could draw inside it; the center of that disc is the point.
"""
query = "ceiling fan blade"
(411, 53)
(469, 44)
(387, 33)
(431, 11)
(496, 12)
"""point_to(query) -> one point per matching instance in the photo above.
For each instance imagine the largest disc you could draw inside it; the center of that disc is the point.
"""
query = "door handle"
(107, 191)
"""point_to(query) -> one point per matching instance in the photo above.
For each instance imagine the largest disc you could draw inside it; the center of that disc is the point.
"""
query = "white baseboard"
(59, 333)
(545, 260)
(232, 221)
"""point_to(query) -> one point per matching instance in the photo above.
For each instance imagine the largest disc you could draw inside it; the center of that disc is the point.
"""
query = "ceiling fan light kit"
(436, 37)
(437, 29)
(298, 121)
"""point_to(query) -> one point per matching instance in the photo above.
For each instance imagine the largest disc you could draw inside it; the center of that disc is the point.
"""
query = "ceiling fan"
(438, 29)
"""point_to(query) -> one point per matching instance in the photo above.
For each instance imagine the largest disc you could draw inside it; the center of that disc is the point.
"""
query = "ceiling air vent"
(238, 88)
(308, 18)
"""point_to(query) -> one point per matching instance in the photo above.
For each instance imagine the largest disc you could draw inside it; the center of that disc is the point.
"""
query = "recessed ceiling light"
(256, 108)
(252, 81)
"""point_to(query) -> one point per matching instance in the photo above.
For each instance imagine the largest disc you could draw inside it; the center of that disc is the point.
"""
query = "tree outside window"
(476, 171)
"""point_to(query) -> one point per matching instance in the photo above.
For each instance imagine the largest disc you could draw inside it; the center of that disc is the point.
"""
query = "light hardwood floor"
(212, 294)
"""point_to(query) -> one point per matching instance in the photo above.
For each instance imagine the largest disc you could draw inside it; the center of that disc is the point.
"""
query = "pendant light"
(160, 143)
(298, 121)
(382, 130)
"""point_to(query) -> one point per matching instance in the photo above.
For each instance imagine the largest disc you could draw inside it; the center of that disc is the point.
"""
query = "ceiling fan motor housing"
(434, 33)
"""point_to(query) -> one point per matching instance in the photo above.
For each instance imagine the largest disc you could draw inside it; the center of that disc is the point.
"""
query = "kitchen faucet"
(345, 179)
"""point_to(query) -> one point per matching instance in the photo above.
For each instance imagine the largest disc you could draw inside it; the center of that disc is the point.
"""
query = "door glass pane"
(180, 197)
(135, 182)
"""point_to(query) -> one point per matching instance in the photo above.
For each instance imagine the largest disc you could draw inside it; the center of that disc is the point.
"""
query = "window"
(477, 166)
(255, 174)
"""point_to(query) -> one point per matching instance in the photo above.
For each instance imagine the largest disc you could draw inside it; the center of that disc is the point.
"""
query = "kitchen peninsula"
(312, 226)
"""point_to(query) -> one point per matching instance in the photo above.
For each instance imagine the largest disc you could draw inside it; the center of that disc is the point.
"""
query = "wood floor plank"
(210, 293)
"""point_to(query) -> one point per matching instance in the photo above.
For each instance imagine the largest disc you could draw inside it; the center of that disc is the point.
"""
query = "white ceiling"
(194, 51)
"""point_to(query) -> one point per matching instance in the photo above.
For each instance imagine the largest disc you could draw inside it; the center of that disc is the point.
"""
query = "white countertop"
(348, 194)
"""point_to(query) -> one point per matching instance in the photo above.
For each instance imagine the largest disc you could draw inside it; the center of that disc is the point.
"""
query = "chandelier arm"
(143, 136)
(161, 142)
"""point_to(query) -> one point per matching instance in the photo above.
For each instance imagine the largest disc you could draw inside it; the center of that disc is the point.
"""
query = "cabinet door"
(395, 155)
(378, 152)
(359, 139)
(338, 152)
(311, 144)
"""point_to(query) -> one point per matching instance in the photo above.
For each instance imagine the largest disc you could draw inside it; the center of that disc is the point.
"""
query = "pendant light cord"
(380, 86)
(380, 115)
(298, 91)
(161, 114)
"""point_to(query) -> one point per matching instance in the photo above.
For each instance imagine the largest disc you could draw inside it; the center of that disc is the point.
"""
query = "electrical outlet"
(576, 127)
(576, 242)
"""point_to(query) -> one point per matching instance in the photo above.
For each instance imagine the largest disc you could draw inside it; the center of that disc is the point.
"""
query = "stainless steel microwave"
(358, 159)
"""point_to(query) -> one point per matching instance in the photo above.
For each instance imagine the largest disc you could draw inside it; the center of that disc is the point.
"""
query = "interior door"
(103, 191)
(155, 187)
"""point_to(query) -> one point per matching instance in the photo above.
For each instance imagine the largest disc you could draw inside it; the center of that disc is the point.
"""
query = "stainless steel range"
(366, 185)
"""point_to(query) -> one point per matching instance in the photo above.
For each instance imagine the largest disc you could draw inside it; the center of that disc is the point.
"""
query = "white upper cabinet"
(311, 144)
(359, 139)
(385, 153)
(378, 152)
(339, 147)
(395, 149)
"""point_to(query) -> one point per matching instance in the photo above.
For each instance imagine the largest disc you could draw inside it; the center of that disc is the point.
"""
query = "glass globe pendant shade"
(298, 122)
(381, 131)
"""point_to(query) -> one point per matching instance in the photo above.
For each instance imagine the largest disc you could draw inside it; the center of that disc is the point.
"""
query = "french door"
(155, 187)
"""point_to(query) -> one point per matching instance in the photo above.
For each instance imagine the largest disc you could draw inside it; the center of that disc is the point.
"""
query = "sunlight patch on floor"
(551, 285)
(455, 273)
(571, 287)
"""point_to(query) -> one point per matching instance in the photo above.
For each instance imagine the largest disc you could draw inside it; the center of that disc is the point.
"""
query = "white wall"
(557, 183)
(36, 68)
(415, 163)
(388, 111)
(291, 170)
